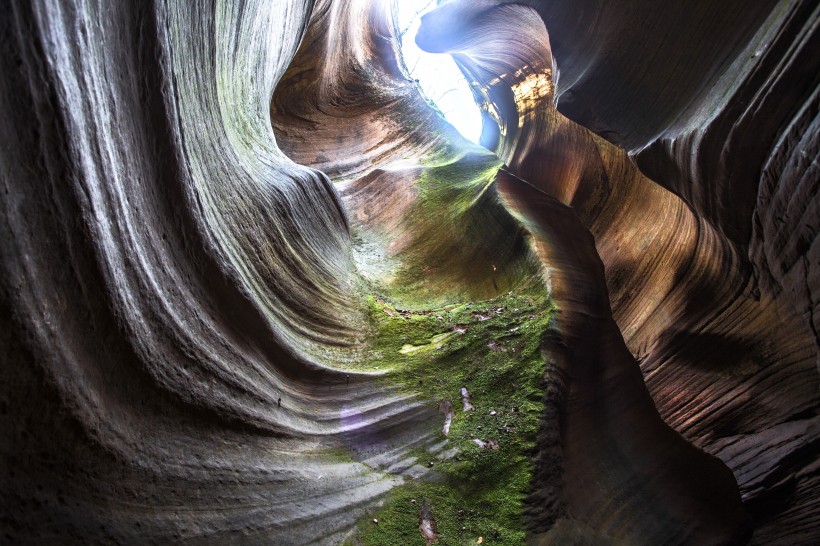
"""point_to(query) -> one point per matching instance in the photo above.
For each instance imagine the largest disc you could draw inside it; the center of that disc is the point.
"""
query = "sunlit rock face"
(193, 196)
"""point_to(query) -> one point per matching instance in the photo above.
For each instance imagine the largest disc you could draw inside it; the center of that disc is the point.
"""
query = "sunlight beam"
(438, 76)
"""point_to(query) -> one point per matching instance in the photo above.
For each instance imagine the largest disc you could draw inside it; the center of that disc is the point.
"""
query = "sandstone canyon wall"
(195, 200)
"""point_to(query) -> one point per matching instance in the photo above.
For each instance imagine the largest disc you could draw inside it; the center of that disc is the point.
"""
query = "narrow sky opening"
(438, 75)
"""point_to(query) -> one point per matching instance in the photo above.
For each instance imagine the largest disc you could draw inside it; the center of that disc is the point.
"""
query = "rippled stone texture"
(175, 288)
(729, 358)
(179, 282)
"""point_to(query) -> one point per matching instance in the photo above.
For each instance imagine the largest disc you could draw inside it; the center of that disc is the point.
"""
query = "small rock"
(375, 521)
(493, 412)
(466, 403)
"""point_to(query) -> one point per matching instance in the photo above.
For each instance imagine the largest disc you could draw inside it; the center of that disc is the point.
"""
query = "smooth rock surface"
(194, 196)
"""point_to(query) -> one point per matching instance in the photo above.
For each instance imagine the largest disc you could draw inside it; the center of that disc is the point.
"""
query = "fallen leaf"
(489, 444)
(497, 347)
(427, 524)
(446, 407)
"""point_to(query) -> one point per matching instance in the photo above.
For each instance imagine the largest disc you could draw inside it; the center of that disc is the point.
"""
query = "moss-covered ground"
(493, 349)
(461, 241)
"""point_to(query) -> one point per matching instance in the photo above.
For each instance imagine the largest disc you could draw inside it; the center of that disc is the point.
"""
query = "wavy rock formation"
(175, 288)
(196, 201)
(680, 285)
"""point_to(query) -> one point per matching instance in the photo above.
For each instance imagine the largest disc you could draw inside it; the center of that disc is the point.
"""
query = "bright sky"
(438, 75)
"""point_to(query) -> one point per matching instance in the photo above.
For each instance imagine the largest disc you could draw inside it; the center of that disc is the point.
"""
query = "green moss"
(479, 492)
(462, 244)
(460, 304)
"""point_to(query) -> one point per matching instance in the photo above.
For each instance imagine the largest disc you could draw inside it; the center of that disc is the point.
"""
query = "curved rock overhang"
(182, 295)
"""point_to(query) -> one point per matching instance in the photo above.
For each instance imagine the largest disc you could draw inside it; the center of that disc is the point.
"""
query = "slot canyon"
(257, 290)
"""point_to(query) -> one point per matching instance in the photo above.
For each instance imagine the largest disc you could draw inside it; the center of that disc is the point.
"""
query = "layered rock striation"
(196, 200)
(729, 358)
